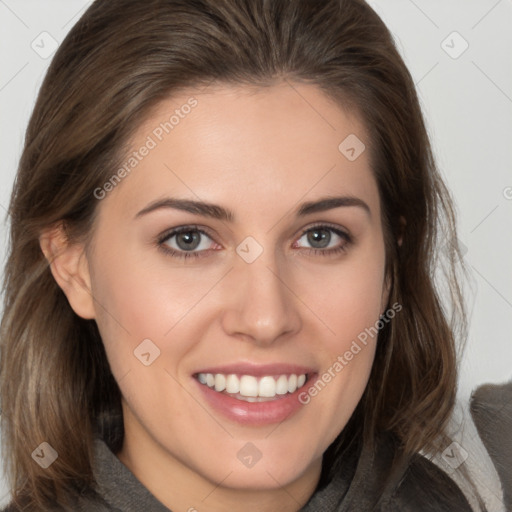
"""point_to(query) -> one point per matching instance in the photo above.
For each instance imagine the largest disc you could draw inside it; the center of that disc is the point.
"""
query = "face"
(233, 269)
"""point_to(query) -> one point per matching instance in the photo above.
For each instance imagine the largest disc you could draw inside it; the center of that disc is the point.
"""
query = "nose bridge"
(262, 307)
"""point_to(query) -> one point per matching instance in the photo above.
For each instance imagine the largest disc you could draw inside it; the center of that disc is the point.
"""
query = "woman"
(220, 285)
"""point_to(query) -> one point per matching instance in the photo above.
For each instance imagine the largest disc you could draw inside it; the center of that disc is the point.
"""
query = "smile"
(254, 395)
(253, 389)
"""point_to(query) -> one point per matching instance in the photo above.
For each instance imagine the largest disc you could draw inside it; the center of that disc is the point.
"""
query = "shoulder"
(11, 508)
(86, 502)
(427, 488)
(385, 480)
(491, 410)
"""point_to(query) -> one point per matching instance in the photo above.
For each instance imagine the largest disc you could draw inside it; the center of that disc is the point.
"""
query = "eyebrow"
(218, 212)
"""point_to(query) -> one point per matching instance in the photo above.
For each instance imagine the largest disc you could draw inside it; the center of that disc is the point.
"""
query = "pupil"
(320, 237)
(188, 240)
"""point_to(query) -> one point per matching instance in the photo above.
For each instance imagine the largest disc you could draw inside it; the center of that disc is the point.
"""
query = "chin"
(265, 473)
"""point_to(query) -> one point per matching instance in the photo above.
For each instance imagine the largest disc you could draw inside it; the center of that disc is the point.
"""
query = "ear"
(386, 289)
(70, 269)
(389, 274)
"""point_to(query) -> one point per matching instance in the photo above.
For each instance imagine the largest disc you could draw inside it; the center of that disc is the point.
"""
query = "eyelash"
(199, 254)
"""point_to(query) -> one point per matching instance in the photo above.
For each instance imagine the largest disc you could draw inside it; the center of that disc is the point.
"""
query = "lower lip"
(254, 413)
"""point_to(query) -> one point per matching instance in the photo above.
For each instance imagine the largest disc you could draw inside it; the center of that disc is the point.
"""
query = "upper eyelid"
(183, 229)
(325, 225)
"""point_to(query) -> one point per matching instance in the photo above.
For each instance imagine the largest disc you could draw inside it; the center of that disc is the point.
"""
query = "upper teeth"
(248, 385)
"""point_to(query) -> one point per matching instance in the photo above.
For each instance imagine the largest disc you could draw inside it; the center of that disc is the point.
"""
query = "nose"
(262, 306)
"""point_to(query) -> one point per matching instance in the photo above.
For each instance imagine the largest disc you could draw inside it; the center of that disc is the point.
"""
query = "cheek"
(139, 298)
(347, 297)
(132, 302)
(145, 287)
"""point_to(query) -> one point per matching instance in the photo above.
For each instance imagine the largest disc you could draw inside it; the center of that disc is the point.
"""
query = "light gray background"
(467, 100)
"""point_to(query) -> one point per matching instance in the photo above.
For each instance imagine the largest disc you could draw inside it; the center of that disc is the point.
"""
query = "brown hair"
(119, 61)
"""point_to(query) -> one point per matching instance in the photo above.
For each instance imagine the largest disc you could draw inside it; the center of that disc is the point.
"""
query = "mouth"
(250, 388)
(254, 395)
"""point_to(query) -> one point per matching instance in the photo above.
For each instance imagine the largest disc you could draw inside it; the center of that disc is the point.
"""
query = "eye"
(191, 241)
(324, 239)
(186, 241)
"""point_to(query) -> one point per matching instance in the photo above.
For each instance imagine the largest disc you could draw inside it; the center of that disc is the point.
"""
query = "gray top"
(416, 488)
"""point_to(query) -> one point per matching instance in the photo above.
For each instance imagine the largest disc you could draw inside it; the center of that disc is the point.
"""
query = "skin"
(260, 153)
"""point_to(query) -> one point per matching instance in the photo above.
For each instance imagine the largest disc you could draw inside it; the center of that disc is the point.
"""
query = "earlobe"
(69, 266)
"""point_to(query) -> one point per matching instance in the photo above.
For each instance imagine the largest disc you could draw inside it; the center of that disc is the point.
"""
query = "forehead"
(252, 148)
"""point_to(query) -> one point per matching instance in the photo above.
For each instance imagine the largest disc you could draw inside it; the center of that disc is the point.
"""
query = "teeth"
(252, 387)
(267, 387)
(282, 385)
(292, 383)
(220, 382)
(232, 384)
(248, 386)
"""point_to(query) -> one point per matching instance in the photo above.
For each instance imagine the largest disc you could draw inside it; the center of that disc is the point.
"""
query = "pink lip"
(255, 413)
(258, 370)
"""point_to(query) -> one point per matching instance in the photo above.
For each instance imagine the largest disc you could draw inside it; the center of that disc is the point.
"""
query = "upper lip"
(258, 370)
